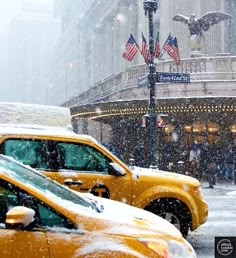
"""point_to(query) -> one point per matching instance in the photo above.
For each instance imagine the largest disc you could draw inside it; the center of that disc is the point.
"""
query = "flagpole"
(162, 54)
(150, 6)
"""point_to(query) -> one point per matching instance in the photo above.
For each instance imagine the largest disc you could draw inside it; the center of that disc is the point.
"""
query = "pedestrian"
(212, 170)
(194, 168)
(139, 155)
(194, 159)
(204, 160)
(167, 157)
(113, 149)
(229, 163)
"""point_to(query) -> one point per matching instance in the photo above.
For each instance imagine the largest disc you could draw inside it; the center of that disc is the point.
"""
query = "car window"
(11, 196)
(82, 157)
(53, 155)
(30, 152)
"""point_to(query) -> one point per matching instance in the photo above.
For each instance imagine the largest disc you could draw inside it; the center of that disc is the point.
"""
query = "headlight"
(198, 191)
(169, 248)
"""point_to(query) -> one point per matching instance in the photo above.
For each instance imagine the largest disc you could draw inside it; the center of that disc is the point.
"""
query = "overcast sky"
(10, 8)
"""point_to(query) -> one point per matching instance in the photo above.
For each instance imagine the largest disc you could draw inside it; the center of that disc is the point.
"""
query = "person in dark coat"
(212, 170)
(212, 166)
(228, 162)
(139, 155)
(204, 160)
(208, 165)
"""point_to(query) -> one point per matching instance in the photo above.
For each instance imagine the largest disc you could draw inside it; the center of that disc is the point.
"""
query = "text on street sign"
(173, 77)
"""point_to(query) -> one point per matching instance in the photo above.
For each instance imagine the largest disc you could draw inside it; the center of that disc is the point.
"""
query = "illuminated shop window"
(233, 128)
(213, 138)
(169, 128)
(188, 128)
(213, 127)
(199, 127)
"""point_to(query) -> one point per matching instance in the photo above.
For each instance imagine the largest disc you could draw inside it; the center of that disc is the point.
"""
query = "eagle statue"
(199, 25)
(203, 23)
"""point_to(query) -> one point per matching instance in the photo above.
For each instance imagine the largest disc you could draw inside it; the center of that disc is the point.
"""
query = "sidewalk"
(220, 188)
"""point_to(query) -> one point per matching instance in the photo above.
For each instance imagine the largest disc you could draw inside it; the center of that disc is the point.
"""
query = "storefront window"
(213, 127)
(188, 128)
(169, 128)
(233, 128)
(213, 138)
(199, 127)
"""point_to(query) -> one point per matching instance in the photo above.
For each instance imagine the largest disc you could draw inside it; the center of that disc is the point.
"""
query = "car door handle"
(71, 182)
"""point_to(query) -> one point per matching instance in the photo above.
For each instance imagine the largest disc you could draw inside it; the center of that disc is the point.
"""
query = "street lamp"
(67, 67)
(150, 6)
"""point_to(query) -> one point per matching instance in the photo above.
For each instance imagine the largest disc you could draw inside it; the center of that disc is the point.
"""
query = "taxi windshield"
(43, 184)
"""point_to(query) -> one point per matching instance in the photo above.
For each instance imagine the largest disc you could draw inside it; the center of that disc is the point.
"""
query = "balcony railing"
(220, 68)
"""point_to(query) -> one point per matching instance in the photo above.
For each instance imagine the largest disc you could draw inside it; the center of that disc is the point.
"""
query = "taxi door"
(18, 242)
(66, 244)
(23, 244)
(85, 168)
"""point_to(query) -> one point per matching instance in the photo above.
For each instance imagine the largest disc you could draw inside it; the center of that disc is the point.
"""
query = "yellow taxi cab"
(39, 136)
(41, 218)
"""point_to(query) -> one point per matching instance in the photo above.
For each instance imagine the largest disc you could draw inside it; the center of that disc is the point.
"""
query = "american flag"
(176, 51)
(157, 49)
(131, 48)
(145, 51)
(171, 47)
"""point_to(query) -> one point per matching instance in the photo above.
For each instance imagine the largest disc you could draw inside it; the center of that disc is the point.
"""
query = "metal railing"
(201, 69)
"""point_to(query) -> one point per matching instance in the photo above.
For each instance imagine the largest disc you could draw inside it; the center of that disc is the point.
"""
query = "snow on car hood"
(120, 215)
(138, 172)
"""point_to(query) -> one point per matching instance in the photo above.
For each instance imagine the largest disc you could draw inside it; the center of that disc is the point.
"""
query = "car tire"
(174, 212)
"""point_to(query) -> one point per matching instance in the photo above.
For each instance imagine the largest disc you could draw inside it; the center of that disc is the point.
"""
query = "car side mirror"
(115, 170)
(19, 217)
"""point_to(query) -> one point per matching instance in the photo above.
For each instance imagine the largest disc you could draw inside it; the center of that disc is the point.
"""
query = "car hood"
(139, 172)
(119, 219)
(123, 219)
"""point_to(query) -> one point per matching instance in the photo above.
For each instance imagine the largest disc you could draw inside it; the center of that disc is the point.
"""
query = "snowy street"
(221, 220)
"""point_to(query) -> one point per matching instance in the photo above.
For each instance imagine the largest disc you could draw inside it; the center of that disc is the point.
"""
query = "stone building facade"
(101, 89)
(94, 35)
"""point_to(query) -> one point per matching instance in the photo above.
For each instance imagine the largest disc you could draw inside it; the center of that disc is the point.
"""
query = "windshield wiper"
(98, 207)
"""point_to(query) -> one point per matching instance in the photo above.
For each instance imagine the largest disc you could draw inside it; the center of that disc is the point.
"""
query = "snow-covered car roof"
(33, 114)
(36, 119)
(23, 129)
